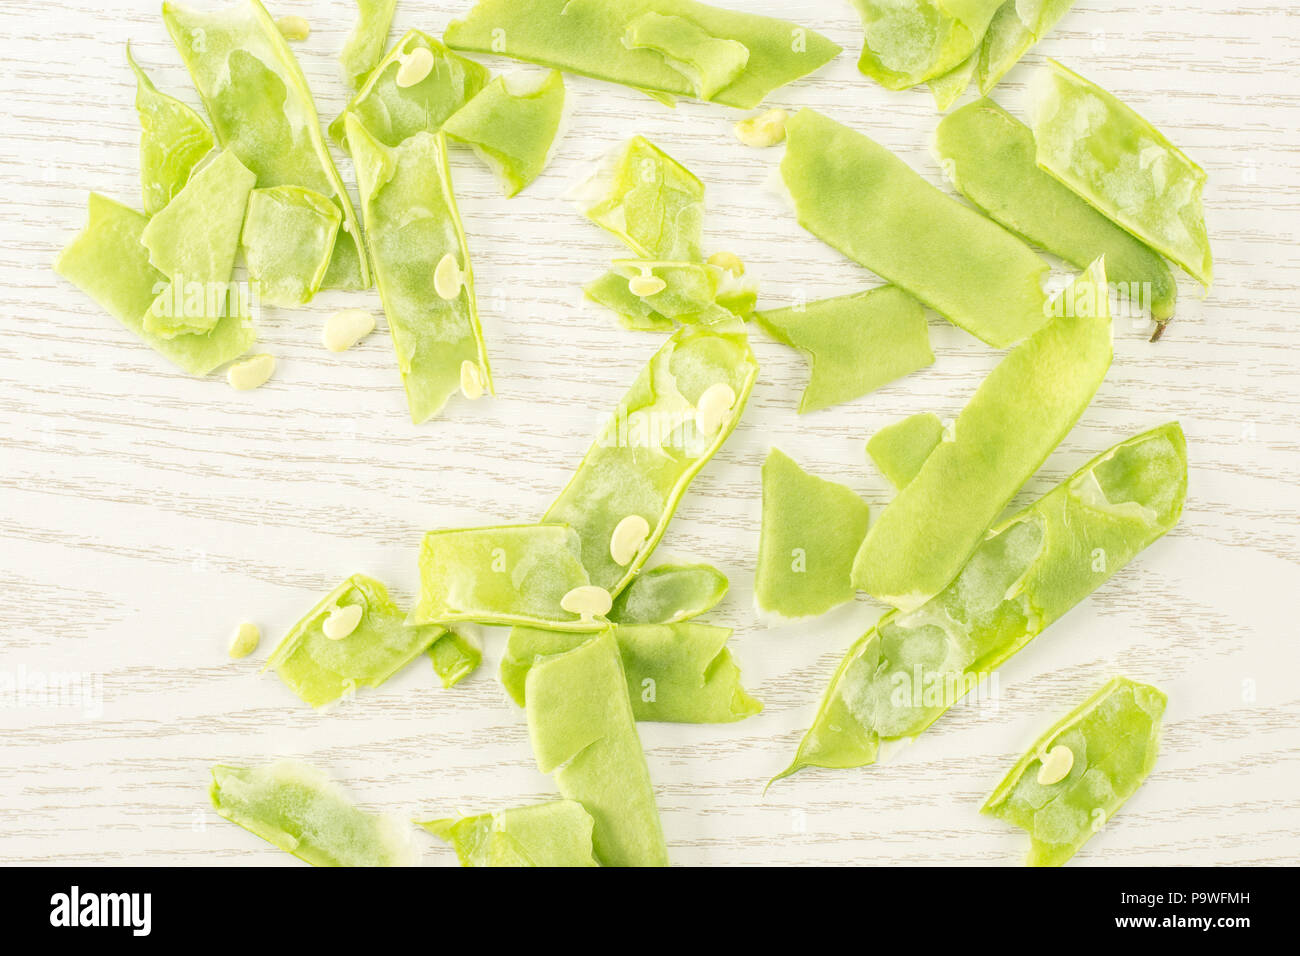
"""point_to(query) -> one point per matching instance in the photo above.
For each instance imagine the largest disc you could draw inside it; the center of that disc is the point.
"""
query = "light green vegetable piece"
(652, 447)
(300, 810)
(651, 202)
(589, 742)
(1113, 737)
(633, 311)
(598, 38)
(811, 530)
(108, 262)
(320, 670)
(395, 113)
(948, 88)
(412, 225)
(906, 672)
(710, 64)
(455, 657)
(549, 834)
(679, 673)
(860, 198)
(1120, 163)
(690, 293)
(365, 44)
(194, 241)
(261, 108)
(911, 41)
(511, 126)
(173, 138)
(989, 156)
(899, 450)
(1015, 28)
(855, 343)
(510, 574)
(670, 593)
(288, 240)
(1015, 419)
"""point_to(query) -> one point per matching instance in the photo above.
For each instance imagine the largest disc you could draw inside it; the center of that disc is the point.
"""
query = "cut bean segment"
(365, 44)
(252, 372)
(173, 138)
(418, 245)
(345, 329)
(1090, 763)
(673, 47)
(670, 593)
(288, 240)
(911, 41)
(322, 668)
(649, 451)
(854, 343)
(860, 198)
(262, 110)
(1124, 166)
(300, 810)
(455, 657)
(899, 450)
(989, 156)
(554, 834)
(811, 530)
(908, 670)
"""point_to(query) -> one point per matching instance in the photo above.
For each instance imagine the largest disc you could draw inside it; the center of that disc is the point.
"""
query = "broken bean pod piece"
(911, 41)
(670, 593)
(1013, 31)
(365, 44)
(454, 657)
(556, 834)
(173, 138)
(288, 240)
(899, 450)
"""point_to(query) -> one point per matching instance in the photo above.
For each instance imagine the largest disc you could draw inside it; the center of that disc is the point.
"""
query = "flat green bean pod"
(108, 262)
(1124, 166)
(173, 138)
(320, 669)
(454, 658)
(860, 198)
(911, 41)
(415, 234)
(909, 669)
(588, 741)
(674, 47)
(855, 343)
(261, 108)
(679, 673)
(511, 126)
(288, 240)
(811, 531)
(510, 574)
(548, 834)
(1078, 774)
(297, 808)
(669, 593)
(1015, 28)
(365, 44)
(1016, 418)
(393, 113)
(678, 412)
(899, 450)
(989, 156)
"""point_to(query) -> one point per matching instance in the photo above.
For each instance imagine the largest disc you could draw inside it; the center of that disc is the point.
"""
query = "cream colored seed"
(764, 129)
(471, 379)
(1056, 765)
(646, 285)
(587, 601)
(252, 372)
(447, 277)
(345, 329)
(628, 537)
(712, 408)
(416, 65)
(342, 622)
(247, 636)
(728, 261)
(294, 28)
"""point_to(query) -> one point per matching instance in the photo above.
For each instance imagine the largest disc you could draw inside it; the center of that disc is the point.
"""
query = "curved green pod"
(1123, 166)
(909, 669)
(899, 450)
(854, 343)
(511, 126)
(261, 108)
(299, 809)
(365, 44)
(1078, 774)
(288, 238)
(548, 834)
(413, 227)
(810, 532)
(1015, 28)
(907, 42)
(1017, 416)
(674, 47)
(654, 445)
(669, 593)
(860, 198)
(173, 138)
(588, 742)
(321, 670)
(109, 263)
(989, 156)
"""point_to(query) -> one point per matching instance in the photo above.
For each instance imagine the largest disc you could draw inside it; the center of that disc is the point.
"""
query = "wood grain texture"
(144, 513)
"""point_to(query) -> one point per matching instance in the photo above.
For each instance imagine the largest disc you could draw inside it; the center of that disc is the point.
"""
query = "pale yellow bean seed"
(628, 537)
(713, 407)
(447, 277)
(342, 622)
(416, 65)
(345, 329)
(587, 601)
(252, 372)
(245, 640)
(1056, 765)
(471, 379)
(763, 129)
(729, 262)
(294, 28)
(646, 285)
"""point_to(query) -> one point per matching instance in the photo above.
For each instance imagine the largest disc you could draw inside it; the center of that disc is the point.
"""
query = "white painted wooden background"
(144, 513)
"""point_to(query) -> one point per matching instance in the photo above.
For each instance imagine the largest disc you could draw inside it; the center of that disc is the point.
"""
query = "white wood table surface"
(145, 513)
